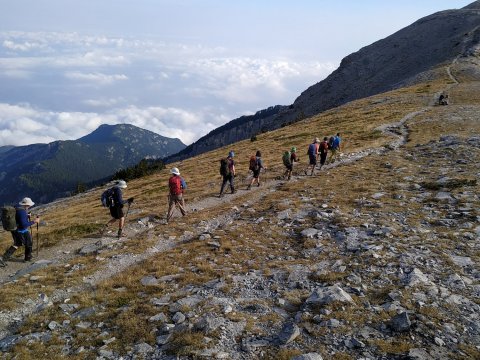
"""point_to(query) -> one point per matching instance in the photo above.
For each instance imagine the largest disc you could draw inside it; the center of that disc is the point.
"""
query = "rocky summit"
(375, 256)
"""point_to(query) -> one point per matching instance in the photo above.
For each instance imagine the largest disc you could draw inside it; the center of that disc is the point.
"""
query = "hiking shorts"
(256, 173)
(117, 211)
(313, 159)
(289, 167)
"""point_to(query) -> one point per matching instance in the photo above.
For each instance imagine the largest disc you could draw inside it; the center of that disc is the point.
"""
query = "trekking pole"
(38, 243)
(128, 209)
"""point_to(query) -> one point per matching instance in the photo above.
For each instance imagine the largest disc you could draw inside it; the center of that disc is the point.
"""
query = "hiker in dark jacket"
(257, 168)
(116, 208)
(323, 151)
(176, 185)
(228, 173)
(21, 236)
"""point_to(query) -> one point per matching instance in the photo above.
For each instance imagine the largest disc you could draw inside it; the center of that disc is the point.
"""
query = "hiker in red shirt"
(177, 185)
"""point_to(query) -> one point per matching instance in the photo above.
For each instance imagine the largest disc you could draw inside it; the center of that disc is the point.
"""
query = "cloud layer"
(59, 86)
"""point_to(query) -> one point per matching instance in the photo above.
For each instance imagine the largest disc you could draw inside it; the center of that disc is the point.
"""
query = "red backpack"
(175, 185)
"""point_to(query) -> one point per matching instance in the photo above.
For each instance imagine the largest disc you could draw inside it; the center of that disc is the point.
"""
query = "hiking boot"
(119, 233)
(249, 187)
(258, 184)
(2, 264)
(8, 254)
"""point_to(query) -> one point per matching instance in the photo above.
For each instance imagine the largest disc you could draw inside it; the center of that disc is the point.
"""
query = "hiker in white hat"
(21, 235)
(114, 201)
(176, 185)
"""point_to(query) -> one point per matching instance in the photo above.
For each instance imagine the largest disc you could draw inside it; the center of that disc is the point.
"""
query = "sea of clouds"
(60, 86)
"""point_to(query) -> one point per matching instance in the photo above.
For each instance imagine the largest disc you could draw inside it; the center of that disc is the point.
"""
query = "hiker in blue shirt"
(335, 148)
(21, 236)
(116, 208)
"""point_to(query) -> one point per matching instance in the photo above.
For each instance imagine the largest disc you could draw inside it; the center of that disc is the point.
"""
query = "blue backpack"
(107, 198)
(311, 149)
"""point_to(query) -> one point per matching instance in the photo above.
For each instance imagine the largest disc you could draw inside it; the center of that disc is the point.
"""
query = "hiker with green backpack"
(17, 221)
(256, 165)
(227, 170)
(289, 158)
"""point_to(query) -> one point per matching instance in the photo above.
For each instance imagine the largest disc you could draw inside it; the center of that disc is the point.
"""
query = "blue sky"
(177, 67)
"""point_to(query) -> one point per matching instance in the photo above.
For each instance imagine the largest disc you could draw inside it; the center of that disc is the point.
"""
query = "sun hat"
(316, 140)
(121, 184)
(175, 171)
(294, 149)
(231, 154)
(26, 202)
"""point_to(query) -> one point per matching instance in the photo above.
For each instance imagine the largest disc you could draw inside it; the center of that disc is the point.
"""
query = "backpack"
(330, 142)
(107, 198)
(224, 168)
(311, 149)
(175, 185)
(253, 163)
(8, 218)
(287, 158)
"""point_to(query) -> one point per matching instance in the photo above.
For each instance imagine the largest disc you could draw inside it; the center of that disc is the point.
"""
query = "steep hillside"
(405, 57)
(48, 171)
(376, 257)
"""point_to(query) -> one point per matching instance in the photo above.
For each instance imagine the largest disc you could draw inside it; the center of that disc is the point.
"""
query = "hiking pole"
(38, 243)
(128, 209)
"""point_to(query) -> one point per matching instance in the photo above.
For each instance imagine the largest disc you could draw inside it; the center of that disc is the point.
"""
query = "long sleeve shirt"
(21, 217)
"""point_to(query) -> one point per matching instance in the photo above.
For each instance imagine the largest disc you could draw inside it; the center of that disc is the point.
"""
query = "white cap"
(175, 171)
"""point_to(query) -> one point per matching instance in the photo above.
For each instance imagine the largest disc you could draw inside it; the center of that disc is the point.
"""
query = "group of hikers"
(18, 220)
(317, 154)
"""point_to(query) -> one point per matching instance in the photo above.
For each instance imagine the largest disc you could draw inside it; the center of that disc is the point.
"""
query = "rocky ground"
(375, 257)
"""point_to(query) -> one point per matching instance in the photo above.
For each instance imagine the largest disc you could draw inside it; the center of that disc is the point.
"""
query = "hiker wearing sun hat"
(21, 236)
(116, 203)
(176, 185)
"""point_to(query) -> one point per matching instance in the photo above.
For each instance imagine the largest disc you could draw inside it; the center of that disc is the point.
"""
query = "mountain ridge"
(384, 65)
(48, 171)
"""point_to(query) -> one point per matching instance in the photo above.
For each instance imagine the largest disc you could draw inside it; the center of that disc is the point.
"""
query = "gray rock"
(353, 343)
(149, 280)
(309, 233)
(209, 323)
(400, 322)
(253, 345)
(309, 356)
(52, 325)
(289, 333)
(9, 341)
(161, 317)
(68, 308)
(415, 277)
(84, 313)
(163, 339)
(84, 325)
(142, 349)
(188, 302)
(328, 295)
(178, 318)
(108, 354)
(418, 354)
(284, 215)
(462, 261)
